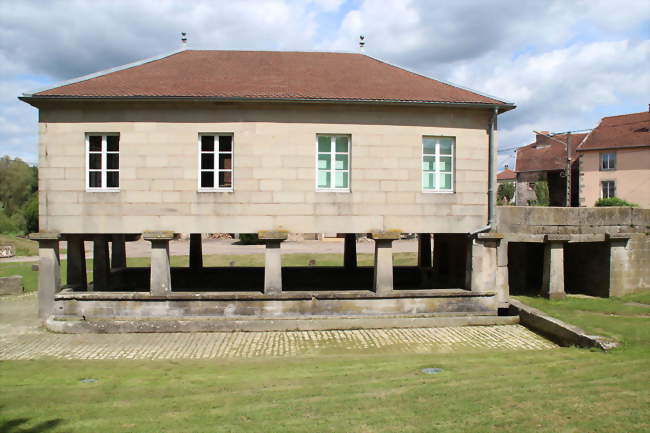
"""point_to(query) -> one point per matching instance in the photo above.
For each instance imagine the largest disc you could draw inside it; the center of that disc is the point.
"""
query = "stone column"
(49, 271)
(160, 282)
(383, 272)
(484, 262)
(619, 263)
(118, 251)
(553, 277)
(350, 251)
(273, 260)
(502, 283)
(76, 263)
(424, 250)
(101, 263)
(196, 251)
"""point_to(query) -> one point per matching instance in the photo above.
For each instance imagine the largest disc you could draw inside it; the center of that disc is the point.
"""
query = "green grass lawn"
(30, 278)
(564, 390)
(24, 246)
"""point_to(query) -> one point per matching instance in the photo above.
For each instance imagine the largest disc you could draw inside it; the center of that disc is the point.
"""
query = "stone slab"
(556, 330)
(387, 235)
(159, 235)
(45, 236)
(270, 235)
(12, 285)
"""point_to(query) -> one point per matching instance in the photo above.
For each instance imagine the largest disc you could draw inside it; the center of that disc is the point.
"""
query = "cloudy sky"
(565, 63)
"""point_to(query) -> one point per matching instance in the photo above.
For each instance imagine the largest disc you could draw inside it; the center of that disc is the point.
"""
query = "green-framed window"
(438, 164)
(332, 162)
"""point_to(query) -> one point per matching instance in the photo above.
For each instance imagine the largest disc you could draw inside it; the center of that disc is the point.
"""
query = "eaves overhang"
(35, 99)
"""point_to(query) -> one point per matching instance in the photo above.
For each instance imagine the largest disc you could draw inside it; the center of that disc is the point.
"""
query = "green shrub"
(614, 201)
(249, 239)
(505, 193)
(30, 212)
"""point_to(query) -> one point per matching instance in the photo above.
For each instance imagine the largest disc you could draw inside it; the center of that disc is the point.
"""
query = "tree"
(505, 192)
(18, 186)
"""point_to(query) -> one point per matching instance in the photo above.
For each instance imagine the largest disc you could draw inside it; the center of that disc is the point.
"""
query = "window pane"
(429, 180)
(113, 179)
(612, 160)
(324, 143)
(428, 163)
(225, 179)
(95, 160)
(207, 161)
(429, 146)
(95, 179)
(113, 161)
(225, 143)
(341, 144)
(445, 181)
(324, 179)
(113, 143)
(341, 179)
(207, 143)
(225, 161)
(446, 144)
(207, 179)
(324, 161)
(445, 163)
(341, 162)
(95, 143)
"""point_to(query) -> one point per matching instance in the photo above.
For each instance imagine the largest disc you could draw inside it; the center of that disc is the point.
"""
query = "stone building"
(545, 160)
(615, 160)
(271, 143)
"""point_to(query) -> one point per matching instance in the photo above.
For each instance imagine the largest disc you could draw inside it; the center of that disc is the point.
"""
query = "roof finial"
(362, 44)
(183, 39)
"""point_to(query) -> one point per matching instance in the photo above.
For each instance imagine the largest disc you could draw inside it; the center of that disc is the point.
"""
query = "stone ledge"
(161, 235)
(557, 238)
(556, 330)
(490, 236)
(391, 235)
(273, 235)
(45, 236)
(256, 325)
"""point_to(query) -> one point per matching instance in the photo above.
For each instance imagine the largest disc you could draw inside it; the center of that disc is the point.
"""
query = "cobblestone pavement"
(21, 338)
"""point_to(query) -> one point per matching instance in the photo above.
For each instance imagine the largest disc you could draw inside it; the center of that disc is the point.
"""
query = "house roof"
(546, 154)
(506, 174)
(627, 130)
(266, 75)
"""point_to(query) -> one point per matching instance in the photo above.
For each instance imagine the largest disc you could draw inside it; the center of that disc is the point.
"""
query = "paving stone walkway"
(21, 338)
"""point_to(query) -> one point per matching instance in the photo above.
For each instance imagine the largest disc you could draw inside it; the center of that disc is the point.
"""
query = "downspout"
(492, 126)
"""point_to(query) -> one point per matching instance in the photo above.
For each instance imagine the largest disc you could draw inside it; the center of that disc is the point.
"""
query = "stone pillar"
(619, 263)
(553, 276)
(350, 251)
(502, 283)
(484, 262)
(160, 281)
(196, 251)
(49, 271)
(76, 263)
(383, 271)
(273, 260)
(118, 251)
(101, 263)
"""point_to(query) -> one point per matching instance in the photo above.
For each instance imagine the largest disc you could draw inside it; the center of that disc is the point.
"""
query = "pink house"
(615, 160)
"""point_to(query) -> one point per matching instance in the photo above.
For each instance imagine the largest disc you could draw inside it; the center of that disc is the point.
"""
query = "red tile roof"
(506, 174)
(268, 75)
(627, 130)
(546, 154)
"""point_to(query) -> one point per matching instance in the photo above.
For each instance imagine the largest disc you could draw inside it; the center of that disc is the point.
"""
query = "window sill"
(332, 190)
(427, 191)
(102, 190)
(215, 190)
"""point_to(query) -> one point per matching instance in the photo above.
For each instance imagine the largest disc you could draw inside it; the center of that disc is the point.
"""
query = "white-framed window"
(438, 164)
(215, 162)
(608, 161)
(608, 189)
(332, 162)
(102, 161)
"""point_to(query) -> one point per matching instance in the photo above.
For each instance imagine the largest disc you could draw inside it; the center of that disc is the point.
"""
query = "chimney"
(183, 40)
(362, 44)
